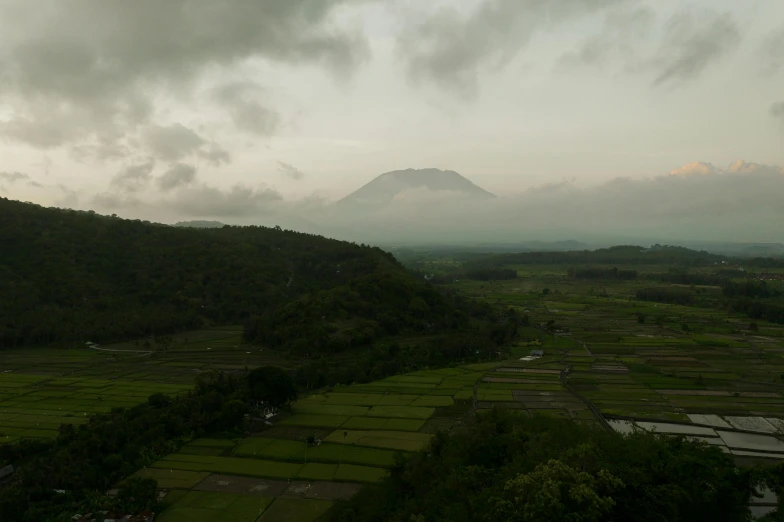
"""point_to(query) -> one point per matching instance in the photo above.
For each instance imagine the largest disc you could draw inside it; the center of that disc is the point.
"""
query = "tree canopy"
(272, 386)
(68, 277)
(505, 466)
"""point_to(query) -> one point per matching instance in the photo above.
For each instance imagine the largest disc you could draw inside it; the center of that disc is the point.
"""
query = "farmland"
(607, 356)
(42, 388)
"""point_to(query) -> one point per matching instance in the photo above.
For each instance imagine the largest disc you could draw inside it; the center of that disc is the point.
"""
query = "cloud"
(102, 149)
(743, 167)
(177, 176)
(773, 52)
(238, 201)
(692, 43)
(112, 201)
(622, 30)
(40, 133)
(69, 198)
(134, 178)
(247, 111)
(172, 142)
(103, 63)
(214, 154)
(777, 110)
(699, 201)
(450, 49)
(290, 171)
(696, 168)
(13, 177)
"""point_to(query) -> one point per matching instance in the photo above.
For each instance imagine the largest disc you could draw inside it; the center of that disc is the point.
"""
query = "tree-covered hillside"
(70, 276)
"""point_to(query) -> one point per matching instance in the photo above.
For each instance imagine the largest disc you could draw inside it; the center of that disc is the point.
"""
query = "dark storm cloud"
(177, 176)
(450, 49)
(134, 178)
(693, 42)
(99, 60)
(244, 102)
(290, 171)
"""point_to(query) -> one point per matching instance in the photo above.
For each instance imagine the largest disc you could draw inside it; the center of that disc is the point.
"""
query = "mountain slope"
(387, 187)
(69, 276)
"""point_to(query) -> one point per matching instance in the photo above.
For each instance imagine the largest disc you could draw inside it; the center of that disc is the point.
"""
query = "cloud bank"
(89, 74)
(698, 201)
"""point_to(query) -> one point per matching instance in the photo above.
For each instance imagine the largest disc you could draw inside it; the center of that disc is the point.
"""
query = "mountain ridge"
(387, 187)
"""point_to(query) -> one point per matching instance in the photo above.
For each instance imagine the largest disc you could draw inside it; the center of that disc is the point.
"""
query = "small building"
(537, 353)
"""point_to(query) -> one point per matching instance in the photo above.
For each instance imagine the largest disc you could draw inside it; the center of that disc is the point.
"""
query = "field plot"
(282, 449)
(35, 406)
(396, 440)
(259, 468)
(293, 509)
(172, 478)
(42, 388)
(205, 506)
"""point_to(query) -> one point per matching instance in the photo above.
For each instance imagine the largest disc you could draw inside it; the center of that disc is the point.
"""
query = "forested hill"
(71, 276)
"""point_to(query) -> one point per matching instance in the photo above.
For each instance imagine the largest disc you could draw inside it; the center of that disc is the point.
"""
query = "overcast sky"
(123, 106)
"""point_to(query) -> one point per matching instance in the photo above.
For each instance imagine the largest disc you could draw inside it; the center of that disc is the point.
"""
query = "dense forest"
(509, 467)
(70, 277)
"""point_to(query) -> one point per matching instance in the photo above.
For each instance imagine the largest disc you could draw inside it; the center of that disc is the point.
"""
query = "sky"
(190, 109)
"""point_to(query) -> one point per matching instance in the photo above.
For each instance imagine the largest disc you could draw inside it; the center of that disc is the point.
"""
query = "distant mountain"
(200, 224)
(393, 185)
